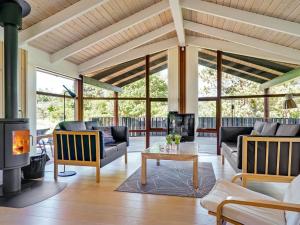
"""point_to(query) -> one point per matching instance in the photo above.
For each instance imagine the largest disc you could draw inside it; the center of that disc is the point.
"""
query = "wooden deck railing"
(206, 125)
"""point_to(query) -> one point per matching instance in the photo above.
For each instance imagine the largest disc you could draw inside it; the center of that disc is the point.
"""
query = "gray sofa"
(231, 139)
(113, 140)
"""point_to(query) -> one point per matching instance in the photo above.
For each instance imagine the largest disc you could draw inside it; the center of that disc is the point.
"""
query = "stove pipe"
(11, 13)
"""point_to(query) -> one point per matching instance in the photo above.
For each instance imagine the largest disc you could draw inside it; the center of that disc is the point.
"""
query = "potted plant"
(169, 139)
(177, 139)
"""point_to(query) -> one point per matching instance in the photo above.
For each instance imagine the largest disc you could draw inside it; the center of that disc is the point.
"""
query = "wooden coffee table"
(187, 151)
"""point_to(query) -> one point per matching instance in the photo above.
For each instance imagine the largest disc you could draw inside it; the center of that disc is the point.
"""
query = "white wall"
(173, 94)
(192, 81)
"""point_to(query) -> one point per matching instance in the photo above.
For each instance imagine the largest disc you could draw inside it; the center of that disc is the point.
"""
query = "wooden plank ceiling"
(113, 11)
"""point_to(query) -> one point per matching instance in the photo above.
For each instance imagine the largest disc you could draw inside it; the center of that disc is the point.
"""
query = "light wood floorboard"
(86, 202)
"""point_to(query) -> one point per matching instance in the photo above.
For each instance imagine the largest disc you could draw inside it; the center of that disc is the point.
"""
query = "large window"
(50, 101)
(98, 104)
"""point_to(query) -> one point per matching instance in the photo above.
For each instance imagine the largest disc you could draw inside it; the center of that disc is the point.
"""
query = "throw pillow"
(258, 126)
(290, 130)
(269, 129)
(107, 136)
(72, 125)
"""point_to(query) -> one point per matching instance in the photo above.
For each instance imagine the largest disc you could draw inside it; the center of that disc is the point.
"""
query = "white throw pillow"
(292, 195)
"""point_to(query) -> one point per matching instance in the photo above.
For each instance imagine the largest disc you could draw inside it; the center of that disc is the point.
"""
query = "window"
(100, 109)
(53, 83)
(207, 81)
(50, 101)
(233, 86)
(134, 90)
(96, 106)
(93, 91)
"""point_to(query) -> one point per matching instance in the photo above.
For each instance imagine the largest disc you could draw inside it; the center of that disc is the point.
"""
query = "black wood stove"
(14, 131)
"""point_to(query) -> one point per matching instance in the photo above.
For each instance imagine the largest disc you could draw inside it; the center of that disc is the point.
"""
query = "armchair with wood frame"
(236, 204)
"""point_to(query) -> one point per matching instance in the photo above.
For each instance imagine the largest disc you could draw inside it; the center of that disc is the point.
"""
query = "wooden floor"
(85, 202)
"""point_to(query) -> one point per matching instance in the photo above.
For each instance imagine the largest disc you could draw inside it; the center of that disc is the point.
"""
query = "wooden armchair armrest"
(261, 178)
(257, 203)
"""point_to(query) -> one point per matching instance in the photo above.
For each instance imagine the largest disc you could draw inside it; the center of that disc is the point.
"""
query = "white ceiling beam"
(231, 47)
(110, 30)
(88, 65)
(58, 19)
(178, 20)
(238, 15)
(138, 53)
(243, 40)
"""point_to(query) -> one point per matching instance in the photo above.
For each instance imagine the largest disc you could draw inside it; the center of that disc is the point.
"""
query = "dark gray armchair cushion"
(288, 130)
(72, 126)
(258, 126)
(269, 129)
(90, 124)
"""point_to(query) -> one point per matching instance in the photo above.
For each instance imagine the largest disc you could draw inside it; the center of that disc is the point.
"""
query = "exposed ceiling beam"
(88, 65)
(58, 19)
(136, 70)
(110, 31)
(243, 16)
(139, 52)
(291, 75)
(178, 20)
(142, 75)
(231, 47)
(243, 40)
(248, 64)
(129, 68)
(235, 69)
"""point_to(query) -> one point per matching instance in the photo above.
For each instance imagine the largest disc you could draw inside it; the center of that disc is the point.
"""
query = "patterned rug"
(171, 178)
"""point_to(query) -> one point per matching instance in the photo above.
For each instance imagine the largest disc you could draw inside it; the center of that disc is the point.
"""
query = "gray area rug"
(171, 178)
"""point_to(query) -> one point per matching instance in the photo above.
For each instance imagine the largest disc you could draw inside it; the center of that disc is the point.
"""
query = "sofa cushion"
(122, 146)
(258, 126)
(230, 146)
(290, 130)
(269, 129)
(107, 136)
(90, 124)
(292, 195)
(72, 125)
(110, 150)
(244, 214)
